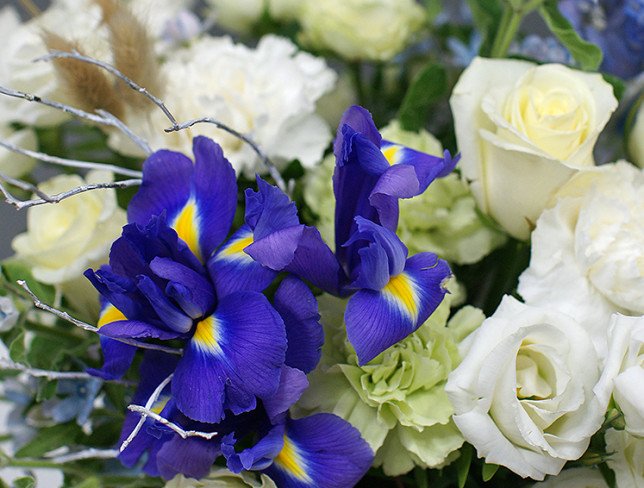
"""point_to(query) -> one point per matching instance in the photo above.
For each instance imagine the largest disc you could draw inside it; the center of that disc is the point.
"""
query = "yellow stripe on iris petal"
(108, 315)
(402, 291)
(235, 249)
(290, 460)
(160, 404)
(392, 153)
(208, 335)
(187, 226)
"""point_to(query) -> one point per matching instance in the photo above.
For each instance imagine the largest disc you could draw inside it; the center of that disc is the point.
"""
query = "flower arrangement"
(277, 243)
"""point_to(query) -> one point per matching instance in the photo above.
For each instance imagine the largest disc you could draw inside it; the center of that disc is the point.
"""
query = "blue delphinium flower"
(617, 26)
(173, 276)
(392, 295)
(77, 402)
(542, 49)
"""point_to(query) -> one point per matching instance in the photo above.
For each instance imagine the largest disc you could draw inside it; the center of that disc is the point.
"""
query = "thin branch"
(72, 163)
(161, 105)
(84, 325)
(111, 69)
(171, 425)
(148, 405)
(104, 118)
(44, 198)
(7, 364)
(86, 454)
(265, 160)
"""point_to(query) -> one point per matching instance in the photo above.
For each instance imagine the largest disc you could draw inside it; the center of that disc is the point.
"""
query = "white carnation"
(588, 250)
(523, 394)
(268, 93)
(627, 460)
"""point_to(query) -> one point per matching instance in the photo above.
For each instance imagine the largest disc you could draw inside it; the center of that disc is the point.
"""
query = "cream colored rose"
(64, 239)
(242, 15)
(627, 460)
(575, 478)
(522, 394)
(360, 29)
(523, 130)
(11, 163)
(588, 250)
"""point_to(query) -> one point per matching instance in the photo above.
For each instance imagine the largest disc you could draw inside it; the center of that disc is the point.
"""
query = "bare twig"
(148, 405)
(265, 160)
(7, 364)
(83, 325)
(44, 198)
(72, 163)
(161, 105)
(86, 454)
(171, 425)
(104, 118)
(111, 69)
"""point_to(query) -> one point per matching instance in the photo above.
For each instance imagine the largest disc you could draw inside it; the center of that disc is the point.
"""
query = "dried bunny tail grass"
(133, 51)
(88, 86)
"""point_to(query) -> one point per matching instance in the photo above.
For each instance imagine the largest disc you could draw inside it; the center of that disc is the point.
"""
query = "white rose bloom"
(575, 478)
(588, 250)
(636, 138)
(623, 375)
(522, 395)
(63, 240)
(268, 93)
(242, 15)
(361, 29)
(627, 460)
(523, 130)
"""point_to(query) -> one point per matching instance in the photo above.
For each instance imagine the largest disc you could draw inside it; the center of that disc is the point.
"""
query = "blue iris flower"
(174, 275)
(391, 294)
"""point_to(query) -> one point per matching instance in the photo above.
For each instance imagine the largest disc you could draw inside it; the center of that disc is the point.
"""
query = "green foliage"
(486, 15)
(588, 55)
(462, 464)
(24, 482)
(48, 439)
(429, 85)
(488, 471)
(14, 270)
(17, 348)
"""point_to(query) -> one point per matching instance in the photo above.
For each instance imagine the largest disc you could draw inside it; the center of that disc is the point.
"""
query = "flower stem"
(508, 28)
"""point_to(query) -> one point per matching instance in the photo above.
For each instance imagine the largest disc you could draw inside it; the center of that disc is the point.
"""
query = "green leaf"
(17, 349)
(463, 464)
(608, 475)
(15, 270)
(487, 15)
(489, 470)
(46, 390)
(24, 482)
(426, 88)
(588, 55)
(45, 352)
(48, 439)
(92, 482)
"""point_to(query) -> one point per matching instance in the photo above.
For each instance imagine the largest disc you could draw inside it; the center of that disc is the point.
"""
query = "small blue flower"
(77, 402)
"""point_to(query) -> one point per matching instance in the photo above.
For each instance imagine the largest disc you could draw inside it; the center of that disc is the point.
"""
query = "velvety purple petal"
(301, 251)
(173, 318)
(322, 451)
(193, 457)
(243, 344)
(215, 193)
(299, 310)
(167, 179)
(376, 320)
(399, 181)
(134, 329)
(199, 294)
(231, 269)
(257, 457)
(117, 358)
(359, 120)
(269, 210)
(293, 382)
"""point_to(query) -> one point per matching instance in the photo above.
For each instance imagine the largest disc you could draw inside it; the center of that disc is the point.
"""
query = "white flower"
(222, 478)
(627, 460)
(268, 93)
(64, 239)
(523, 131)
(588, 250)
(623, 375)
(636, 138)
(575, 478)
(523, 393)
(8, 314)
(360, 29)
(242, 15)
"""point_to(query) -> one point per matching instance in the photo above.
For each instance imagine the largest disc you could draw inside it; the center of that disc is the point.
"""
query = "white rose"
(523, 130)
(523, 392)
(242, 15)
(623, 375)
(268, 93)
(636, 138)
(361, 29)
(64, 239)
(588, 250)
(11, 163)
(574, 478)
(627, 460)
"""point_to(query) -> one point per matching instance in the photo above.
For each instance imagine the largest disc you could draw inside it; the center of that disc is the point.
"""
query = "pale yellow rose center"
(535, 376)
